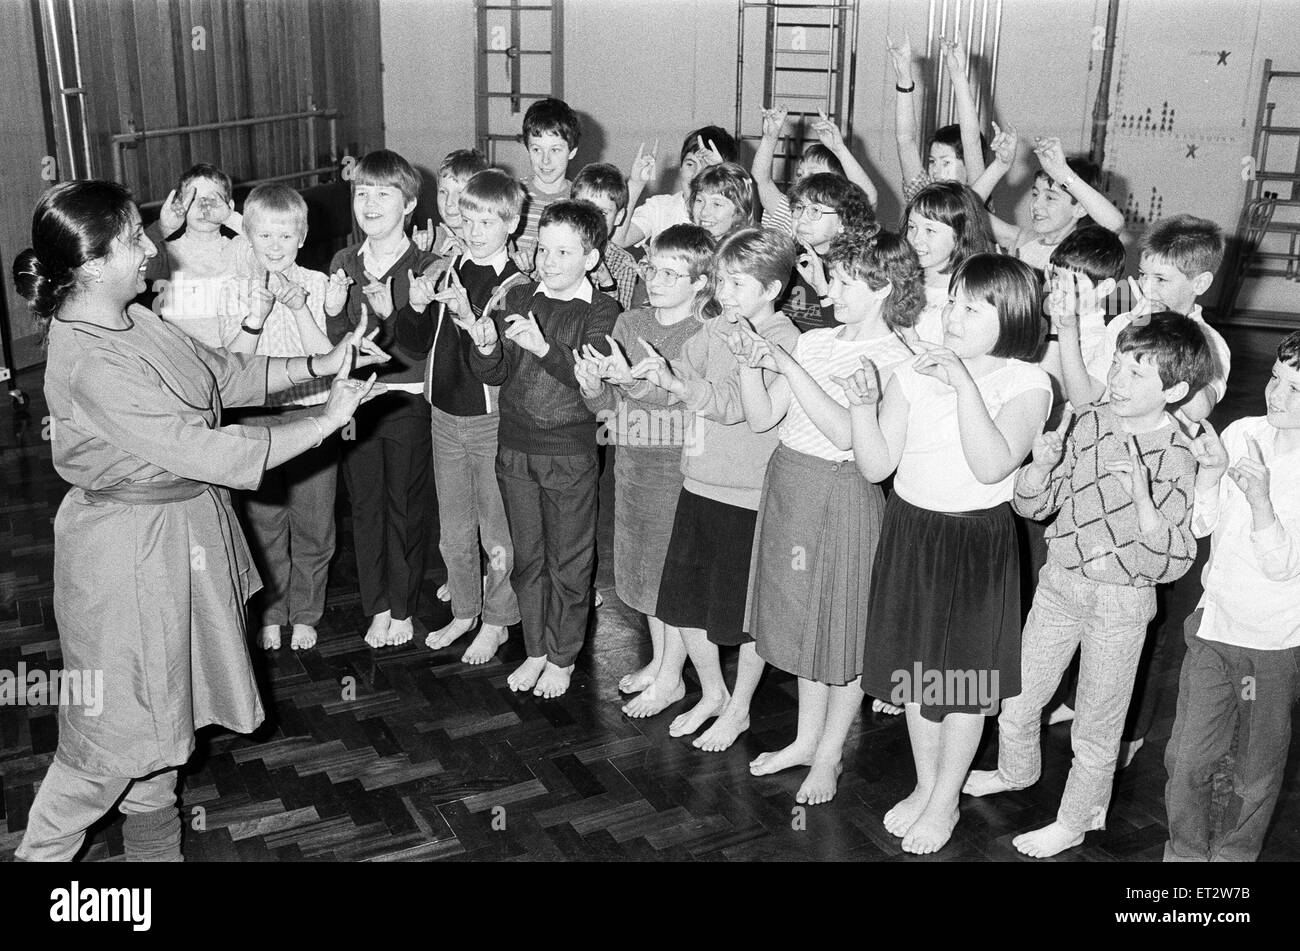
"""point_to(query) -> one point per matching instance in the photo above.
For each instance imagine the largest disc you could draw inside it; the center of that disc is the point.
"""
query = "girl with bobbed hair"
(151, 572)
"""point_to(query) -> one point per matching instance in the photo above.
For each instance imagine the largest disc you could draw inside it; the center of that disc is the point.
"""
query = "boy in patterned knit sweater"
(546, 457)
(1123, 483)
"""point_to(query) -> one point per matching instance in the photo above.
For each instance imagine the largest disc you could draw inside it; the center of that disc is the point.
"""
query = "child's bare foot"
(399, 632)
(553, 682)
(525, 675)
(444, 593)
(731, 722)
(639, 680)
(654, 699)
(447, 634)
(1047, 841)
(791, 756)
(899, 819)
(687, 723)
(269, 637)
(485, 645)
(931, 831)
(304, 637)
(879, 706)
(377, 633)
(987, 782)
(820, 783)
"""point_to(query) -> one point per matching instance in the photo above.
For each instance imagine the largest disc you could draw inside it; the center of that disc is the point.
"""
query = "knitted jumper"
(1096, 532)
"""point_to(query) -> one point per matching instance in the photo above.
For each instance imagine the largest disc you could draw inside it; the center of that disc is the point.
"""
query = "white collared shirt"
(584, 291)
(1252, 580)
(497, 261)
(366, 253)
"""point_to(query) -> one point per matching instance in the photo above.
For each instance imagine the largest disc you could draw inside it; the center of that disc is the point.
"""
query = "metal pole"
(979, 87)
(997, 43)
(847, 118)
(1101, 108)
(740, 62)
(52, 16)
(81, 90)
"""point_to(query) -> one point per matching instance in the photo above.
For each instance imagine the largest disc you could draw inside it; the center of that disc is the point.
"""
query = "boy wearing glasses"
(824, 206)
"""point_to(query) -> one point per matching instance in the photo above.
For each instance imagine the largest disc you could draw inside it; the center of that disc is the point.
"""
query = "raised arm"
(638, 177)
(761, 169)
(1005, 144)
(909, 147)
(830, 136)
(1052, 157)
(968, 119)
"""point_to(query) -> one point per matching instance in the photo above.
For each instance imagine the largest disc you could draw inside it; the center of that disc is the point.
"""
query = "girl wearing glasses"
(824, 206)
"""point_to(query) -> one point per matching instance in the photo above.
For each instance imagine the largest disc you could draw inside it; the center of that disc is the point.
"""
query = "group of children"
(760, 384)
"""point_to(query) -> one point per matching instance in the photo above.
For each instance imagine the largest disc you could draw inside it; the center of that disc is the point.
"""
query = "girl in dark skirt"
(943, 623)
(819, 519)
(706, 573)
(648, 461)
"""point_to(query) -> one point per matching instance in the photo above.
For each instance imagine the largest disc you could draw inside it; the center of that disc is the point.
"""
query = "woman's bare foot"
(485, 645)
(639, 680)
(820, 783)
(899, 819)
(448, 633)
(879, 706)
(1047, 841)
(444, 594)
(986, 782)
(687, 723)
(731, 722)
(377, 633)
(304, 637)
(553, 682)
(931, 831)
(654, 699)
(525, 675)
(399, 632)
(796, 754)
(269, 637)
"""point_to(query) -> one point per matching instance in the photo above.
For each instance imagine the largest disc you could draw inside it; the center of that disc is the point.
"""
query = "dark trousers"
(290, 522)
(551, 507)
(1226, 691)
(386, 469)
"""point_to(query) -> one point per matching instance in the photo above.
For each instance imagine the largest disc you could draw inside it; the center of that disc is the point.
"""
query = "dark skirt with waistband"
(706, 573)
(810, 578)
(943, 627)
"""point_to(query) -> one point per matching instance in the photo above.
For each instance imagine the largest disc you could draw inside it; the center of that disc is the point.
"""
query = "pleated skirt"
(945, 610)
(819, 523)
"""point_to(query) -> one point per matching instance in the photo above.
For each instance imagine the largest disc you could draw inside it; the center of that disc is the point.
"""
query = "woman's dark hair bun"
(42, 285)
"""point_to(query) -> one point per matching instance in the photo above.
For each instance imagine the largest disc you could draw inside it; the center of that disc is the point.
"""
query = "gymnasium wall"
(641, 70)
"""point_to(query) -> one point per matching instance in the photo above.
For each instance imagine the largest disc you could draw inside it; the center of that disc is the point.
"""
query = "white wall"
(644, 70)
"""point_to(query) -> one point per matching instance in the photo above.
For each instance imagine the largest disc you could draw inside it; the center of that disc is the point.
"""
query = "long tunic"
(151, 571)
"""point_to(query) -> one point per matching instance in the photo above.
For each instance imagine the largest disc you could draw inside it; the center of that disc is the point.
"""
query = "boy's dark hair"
(1015, 291)
(386, 167)
(1091, 250)
(691, 243)
(207, 171)
(848, 200)
(950, 135)
(955, 205)
(1288, 351)
(1084, 169)
(603, 179)
(1191, 244)
(1177, 347)
(720, 137)
(583, 217)
(460, 164)
(494, 190)
(552, 117)
(730, 181)
(820, 153)
(879, 258)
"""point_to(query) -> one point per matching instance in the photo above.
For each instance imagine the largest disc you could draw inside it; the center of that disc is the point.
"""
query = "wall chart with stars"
(1182, 110)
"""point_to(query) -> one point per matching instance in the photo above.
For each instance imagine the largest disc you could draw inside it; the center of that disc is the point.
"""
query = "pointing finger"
(1253, 448)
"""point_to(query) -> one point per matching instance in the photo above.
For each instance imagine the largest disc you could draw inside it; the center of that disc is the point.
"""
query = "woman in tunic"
(150, 569)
